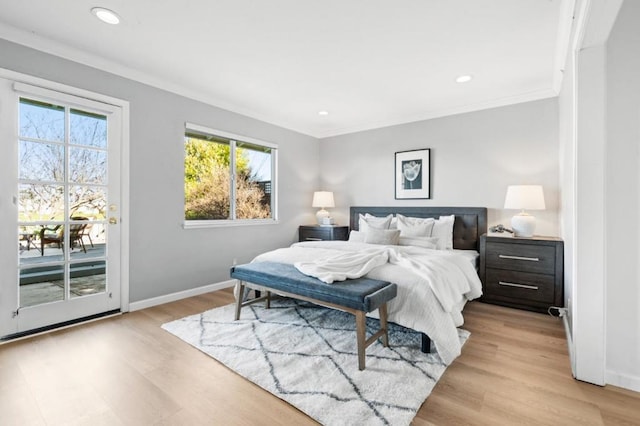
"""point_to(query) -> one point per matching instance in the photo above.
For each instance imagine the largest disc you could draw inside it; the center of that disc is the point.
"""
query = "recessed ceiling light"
(106, 15)
(323, 112)
(463, 78)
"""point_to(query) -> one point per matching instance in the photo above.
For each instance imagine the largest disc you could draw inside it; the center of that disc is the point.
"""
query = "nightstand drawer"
(322, 233)
(520, 285)
(521, 257)
(317, 234)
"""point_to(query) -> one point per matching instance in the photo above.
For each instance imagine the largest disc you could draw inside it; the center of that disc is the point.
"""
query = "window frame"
(233, 139)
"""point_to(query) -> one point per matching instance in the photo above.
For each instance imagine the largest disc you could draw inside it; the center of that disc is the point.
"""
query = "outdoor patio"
(41, 282)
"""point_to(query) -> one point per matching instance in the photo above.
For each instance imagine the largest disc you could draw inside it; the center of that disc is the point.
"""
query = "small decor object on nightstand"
(524, 197)
(524, 273)
(327, 221)
(323, 199)
(323, 233)
(499, 229)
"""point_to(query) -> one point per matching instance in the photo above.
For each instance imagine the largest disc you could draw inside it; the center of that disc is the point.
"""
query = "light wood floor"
(126, 370)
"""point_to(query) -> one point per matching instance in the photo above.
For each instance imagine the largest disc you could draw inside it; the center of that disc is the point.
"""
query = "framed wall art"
(413, 174)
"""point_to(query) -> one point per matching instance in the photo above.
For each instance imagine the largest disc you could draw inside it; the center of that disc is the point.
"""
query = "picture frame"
(413, 174)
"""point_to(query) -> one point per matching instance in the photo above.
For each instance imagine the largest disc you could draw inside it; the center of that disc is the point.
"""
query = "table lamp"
(322, 199)
(524, 197)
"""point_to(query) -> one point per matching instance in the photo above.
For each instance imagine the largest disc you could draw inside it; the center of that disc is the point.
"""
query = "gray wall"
(622, 192)
(166, 258)
(474, 157)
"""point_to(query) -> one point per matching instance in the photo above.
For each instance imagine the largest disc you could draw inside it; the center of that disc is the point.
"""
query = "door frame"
(124, 162)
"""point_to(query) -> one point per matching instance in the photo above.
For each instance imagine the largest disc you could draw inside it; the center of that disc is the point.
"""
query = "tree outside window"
(44, 167)
(227, 179)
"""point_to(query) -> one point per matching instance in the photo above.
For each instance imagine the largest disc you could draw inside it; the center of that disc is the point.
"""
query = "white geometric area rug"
(306, 355)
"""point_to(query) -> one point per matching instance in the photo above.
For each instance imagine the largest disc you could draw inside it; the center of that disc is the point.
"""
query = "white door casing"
(15, 318)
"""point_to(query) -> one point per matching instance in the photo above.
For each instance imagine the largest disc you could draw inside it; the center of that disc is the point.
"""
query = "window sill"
(199, 224)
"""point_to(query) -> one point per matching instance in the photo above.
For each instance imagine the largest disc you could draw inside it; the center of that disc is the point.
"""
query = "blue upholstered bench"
(357, 296)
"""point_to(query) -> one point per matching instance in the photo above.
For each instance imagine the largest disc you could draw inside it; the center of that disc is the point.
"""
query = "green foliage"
(207, 183)
(202, 156)
(208, 198)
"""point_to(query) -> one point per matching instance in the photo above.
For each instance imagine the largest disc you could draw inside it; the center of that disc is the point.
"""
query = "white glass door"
(59, 211)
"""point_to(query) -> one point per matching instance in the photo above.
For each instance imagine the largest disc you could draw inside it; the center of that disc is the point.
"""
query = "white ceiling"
(370, 63)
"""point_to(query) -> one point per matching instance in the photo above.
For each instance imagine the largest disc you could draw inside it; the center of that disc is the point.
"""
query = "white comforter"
(433, 285)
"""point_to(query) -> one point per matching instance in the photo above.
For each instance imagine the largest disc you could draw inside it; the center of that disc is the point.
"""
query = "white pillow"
(368, 221)
(356, 237)
(424, 242)
(443, 229)
(382, 236)
(415, 226)
(440, 243)
(394, 223)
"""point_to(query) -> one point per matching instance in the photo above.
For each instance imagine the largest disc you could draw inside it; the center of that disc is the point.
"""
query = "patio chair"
(56, 236)
(28, 237)
(86, 232)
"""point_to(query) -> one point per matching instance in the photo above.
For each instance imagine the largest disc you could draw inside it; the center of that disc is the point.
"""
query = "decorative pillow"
(415, 226)
(382, 236)
(424, 242)
(443, 229)
(368, 221)
(356, 237)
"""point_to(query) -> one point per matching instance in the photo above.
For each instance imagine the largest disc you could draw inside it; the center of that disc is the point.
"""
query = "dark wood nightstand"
(524, 273)
(320, 233)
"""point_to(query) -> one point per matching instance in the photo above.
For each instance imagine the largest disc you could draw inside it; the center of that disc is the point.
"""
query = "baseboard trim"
(623, 380)
(167, 298)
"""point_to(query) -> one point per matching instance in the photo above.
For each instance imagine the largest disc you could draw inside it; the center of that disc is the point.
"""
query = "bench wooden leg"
(239, 300)
(383, 325)
(361, 331)
(360, 316)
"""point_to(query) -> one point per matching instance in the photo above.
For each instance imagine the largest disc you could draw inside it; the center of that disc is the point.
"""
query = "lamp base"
(523, 225)
(322, 213)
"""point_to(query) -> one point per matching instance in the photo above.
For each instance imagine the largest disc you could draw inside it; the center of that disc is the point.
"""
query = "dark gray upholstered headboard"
(470, 224)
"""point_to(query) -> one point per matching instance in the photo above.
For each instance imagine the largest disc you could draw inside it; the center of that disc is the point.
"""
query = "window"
(227, 178)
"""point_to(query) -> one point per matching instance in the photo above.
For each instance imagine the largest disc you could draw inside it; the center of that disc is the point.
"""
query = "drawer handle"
(531, 259)
(313, 239)
(529, 287)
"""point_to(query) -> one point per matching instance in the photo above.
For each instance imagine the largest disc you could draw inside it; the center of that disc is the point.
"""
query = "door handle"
(113, 220)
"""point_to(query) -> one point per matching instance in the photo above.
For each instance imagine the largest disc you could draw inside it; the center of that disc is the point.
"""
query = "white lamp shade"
(323, 199)
(524, 197)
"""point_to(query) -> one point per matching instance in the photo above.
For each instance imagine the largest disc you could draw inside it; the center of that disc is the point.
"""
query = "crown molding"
(55, 48)
(444, 112)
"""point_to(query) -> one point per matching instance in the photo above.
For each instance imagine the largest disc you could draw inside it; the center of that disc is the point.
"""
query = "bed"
(433, 285)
